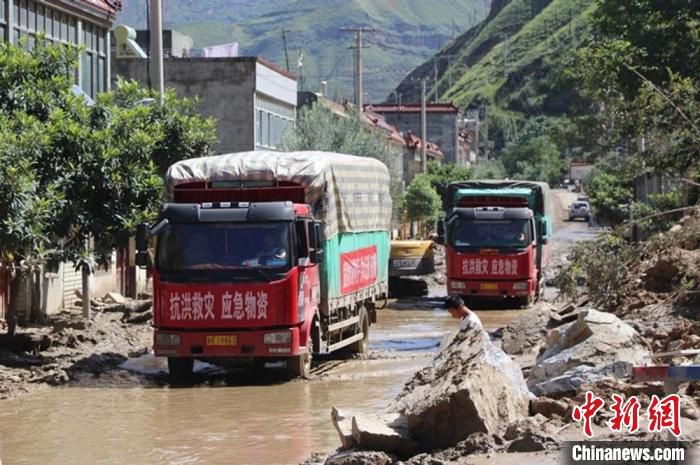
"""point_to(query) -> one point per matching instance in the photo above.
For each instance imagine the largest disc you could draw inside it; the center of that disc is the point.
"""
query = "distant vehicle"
(580, 209)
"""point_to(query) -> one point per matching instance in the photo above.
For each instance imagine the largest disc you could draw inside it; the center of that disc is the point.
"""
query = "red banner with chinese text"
(358, 269)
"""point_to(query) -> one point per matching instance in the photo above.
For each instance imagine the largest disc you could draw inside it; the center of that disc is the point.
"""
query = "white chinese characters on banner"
(358, 271)
(193, 306)
(493, 267)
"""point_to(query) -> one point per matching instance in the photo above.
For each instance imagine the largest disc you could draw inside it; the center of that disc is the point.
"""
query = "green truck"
(267, 256)
(496, 235)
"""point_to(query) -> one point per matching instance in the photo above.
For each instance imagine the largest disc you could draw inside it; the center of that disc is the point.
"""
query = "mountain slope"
(407, 32)
(513, 63)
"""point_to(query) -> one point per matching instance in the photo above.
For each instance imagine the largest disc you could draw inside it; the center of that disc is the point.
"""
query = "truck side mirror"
(440, 239)
(142, 232)
(316, 255)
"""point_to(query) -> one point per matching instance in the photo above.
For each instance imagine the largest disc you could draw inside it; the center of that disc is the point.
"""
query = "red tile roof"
(413, 108)
(111, 7)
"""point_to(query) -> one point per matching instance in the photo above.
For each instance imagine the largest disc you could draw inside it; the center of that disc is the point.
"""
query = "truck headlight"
(165, 339)
(282, 337)
(520, 286)
(457, 285)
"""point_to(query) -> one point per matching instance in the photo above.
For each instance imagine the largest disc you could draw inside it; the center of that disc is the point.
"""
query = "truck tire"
(180, 369)
(362, 346)
(299, 366)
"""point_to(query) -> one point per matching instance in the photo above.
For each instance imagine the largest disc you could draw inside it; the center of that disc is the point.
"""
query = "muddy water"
(136, 418)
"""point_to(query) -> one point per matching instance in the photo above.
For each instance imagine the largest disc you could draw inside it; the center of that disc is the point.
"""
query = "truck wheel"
(362, 346)
(180, 369)
(299, 366)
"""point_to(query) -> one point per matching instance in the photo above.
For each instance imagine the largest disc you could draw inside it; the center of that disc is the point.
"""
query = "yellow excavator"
(410, 258)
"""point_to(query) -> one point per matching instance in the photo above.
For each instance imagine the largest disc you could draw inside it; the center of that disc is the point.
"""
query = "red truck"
(268, 256)
(496, 235)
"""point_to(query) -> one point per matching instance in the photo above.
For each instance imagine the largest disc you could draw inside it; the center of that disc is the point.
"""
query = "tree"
(449, 172)
(318, 128)
(641, 70)
(422, 203)
(609, 189)
(537, 159)
(70, 170)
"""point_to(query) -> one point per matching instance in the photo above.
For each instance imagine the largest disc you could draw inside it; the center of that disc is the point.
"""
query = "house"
(253, 100)
(442, 128)
(405, 146)
(84, 23)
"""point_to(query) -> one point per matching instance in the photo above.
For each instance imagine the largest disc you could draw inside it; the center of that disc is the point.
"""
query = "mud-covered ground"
(68, 346)
(111, 382)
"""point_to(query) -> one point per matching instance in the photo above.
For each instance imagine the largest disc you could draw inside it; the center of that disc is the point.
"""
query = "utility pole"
(359, 89)
(284, 41)
(437, 84)
(423, 129)
(506, 44)
(156, 50)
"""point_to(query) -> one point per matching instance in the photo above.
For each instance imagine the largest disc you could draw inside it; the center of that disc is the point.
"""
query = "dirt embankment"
(560, 351)
(69, 346)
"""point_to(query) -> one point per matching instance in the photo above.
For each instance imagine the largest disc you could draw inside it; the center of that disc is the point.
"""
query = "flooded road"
(134, 417)
(126, 418)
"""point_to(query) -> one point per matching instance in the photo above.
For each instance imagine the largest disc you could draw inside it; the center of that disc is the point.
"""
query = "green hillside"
(407, 33)
(513, 63)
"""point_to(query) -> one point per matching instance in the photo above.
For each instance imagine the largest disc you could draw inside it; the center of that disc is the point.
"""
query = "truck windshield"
(217, 246)
(491, 233)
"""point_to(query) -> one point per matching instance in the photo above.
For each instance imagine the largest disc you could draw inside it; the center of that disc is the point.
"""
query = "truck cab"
(493, 252)
(235, 279)
(496, 235)
(268, 256)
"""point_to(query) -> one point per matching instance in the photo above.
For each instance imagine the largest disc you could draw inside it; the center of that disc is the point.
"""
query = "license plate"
(405, 262)
(222, 340)
(488, 286)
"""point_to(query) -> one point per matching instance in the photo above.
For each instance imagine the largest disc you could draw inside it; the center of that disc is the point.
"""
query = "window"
(273, 119)
(259, 119)
(40, 14)
(72, 36)
(31, 21)
(23, 14)
(265, 140)
(56, 25)
(3, 21)
(64, 28)
(86, 73)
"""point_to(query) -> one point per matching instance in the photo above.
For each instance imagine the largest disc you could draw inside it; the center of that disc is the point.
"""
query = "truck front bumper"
(217, 343)
(493, 288)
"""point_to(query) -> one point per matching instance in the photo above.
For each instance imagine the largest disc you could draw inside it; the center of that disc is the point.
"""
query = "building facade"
(405, 147)
(442, 125)
(83, 23)
(253, 100)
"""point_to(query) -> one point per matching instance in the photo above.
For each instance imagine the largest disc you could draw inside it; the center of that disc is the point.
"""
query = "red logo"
(662, 414)
(588, 411)
(665, 414)
(626, 414)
